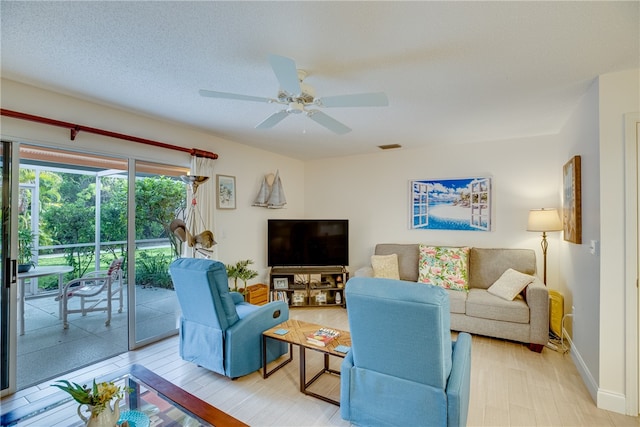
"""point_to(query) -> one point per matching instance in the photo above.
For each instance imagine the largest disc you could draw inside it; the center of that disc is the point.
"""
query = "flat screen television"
(307, 242)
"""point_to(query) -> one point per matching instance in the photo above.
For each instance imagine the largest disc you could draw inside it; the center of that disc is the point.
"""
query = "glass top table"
(154, 401)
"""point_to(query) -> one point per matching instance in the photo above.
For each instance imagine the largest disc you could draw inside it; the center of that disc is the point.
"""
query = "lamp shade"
(545, 219)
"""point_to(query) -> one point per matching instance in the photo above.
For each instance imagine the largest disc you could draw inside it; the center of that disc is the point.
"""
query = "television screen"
(307, 242)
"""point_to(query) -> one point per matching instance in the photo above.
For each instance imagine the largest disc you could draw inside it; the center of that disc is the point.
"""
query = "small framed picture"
(280, 283)
(298, 298)
(226, 191)
(321, 298)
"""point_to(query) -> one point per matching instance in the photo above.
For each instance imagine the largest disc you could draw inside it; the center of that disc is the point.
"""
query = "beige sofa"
(525, 319)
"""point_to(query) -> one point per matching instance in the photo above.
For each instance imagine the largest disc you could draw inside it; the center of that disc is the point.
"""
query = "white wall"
(372, 191)
(619, 93)
(579, 276)
(240, 233)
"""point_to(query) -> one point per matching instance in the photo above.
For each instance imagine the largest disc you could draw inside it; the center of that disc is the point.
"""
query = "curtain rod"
(75, 128)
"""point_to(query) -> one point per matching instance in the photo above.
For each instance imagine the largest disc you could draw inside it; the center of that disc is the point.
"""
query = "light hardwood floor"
(510, 385)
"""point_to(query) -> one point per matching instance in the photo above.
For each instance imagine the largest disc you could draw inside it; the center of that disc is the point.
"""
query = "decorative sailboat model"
(271, 194)
(200, 242)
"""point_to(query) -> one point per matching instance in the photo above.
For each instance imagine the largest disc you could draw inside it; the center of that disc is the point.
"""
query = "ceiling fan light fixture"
(295, 108)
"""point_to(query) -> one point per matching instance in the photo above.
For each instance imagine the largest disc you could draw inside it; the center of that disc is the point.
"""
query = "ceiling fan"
(298, 97)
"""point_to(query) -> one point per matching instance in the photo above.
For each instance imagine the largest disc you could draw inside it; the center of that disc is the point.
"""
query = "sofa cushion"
(385, 266)
(444, 266)
(510, 284)
(482, 304)
(457, 301)
(487, 265)
(407, 258)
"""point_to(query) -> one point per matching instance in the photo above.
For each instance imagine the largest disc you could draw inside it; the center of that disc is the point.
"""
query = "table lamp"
(545, 219)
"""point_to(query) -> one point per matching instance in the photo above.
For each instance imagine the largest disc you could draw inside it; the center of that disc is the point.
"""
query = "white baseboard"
(604, 399)
(587, 378)
(614, 402)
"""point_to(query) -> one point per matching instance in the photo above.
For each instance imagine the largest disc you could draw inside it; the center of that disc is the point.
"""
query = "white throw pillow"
(510, 284)
(385, 266)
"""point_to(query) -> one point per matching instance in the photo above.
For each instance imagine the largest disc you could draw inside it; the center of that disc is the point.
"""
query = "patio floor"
(46, 350)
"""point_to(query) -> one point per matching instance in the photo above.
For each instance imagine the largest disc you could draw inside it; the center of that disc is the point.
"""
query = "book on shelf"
(322, 336)
(279, 296)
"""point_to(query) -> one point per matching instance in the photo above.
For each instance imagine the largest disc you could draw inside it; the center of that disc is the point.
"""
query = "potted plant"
(240, 271)
(97, 400)
(245, 273)
(25, 250)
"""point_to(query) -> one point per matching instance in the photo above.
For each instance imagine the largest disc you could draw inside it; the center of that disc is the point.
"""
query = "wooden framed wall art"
(451, 204)
(572, 201)
(226, 191)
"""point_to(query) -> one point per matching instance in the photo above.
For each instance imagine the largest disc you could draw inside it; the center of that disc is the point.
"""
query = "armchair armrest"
(364, 272)
(458, 386)
(247, 332)
(236, 297)
(76, 284)
(97, 273)
(245, 337)
(537, 297)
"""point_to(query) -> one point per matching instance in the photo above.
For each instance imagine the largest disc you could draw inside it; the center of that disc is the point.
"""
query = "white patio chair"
(94, 290)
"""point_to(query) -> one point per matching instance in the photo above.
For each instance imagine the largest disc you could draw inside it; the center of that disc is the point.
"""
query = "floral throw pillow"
(444, 266)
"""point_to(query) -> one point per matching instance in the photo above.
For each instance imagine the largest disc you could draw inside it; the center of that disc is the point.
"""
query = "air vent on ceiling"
(389, 146)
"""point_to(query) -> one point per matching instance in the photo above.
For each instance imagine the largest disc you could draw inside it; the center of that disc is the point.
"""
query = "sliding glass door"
(8, 266)
(83, 211)
(160, 197)
(74, 206)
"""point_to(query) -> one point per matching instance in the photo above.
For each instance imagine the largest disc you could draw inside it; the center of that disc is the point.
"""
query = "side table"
(297, 331)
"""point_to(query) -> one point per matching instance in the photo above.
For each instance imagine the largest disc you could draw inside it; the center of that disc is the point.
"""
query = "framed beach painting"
(451, 204)
(226, 191)
(572, 200)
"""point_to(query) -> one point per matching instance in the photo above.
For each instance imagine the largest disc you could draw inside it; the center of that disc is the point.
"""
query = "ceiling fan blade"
(273, 120)
(225, 95)
(329, 122)
(378, 99)
(286, 72)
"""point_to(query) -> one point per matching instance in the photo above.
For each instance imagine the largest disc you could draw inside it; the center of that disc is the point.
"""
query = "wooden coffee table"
(296, 335)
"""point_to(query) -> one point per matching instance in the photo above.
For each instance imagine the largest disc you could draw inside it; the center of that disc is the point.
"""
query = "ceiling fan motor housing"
(307, 96)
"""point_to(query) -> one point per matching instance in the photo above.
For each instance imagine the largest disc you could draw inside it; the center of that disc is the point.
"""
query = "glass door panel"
(74, 207)
(8, 266)
(160, 197)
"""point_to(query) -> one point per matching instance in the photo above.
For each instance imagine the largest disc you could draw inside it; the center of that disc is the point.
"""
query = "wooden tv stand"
(308, 286)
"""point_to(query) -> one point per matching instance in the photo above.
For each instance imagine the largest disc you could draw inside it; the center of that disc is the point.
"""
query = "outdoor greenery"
(159, 200)
(152, 268)
(25, 246)
(68, 219)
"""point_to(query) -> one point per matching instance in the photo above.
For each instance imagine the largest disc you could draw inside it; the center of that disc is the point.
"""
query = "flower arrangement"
(97, 397)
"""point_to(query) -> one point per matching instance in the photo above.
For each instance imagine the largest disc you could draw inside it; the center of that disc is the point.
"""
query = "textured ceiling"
(454, 72)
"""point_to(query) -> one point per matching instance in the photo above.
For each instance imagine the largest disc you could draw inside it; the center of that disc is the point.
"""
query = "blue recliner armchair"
(218, 330)
(403, 369)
